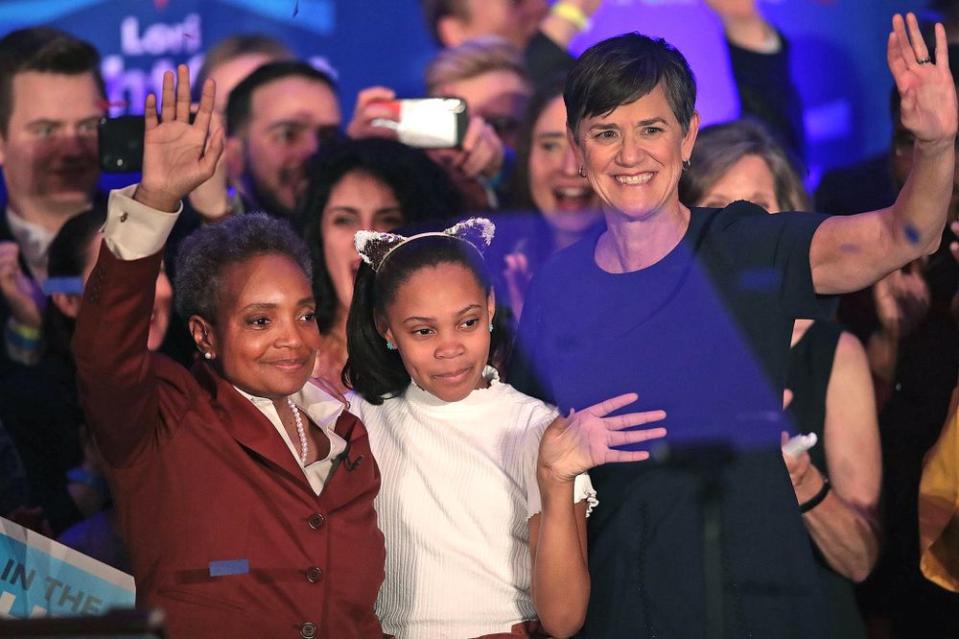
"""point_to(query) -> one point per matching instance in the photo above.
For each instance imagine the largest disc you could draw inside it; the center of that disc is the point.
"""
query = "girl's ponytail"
(372, 370)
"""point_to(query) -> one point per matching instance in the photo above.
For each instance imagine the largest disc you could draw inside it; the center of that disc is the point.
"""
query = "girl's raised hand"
(178, 156)
(927, 92)
(588, 438)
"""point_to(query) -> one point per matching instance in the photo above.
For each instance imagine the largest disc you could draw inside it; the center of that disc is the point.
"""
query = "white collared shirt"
(323, 410)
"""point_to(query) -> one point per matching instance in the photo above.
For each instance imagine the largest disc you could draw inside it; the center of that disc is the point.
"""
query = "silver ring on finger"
(926, 60)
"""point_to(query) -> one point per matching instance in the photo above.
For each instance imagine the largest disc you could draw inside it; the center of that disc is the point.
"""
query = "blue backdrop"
(838, 49)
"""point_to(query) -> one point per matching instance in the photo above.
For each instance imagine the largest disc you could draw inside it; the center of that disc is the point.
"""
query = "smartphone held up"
(427, 123)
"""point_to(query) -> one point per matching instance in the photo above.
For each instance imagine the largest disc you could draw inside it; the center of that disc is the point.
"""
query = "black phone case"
(121, 144)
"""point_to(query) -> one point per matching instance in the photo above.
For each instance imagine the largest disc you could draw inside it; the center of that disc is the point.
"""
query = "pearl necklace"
(304, 445)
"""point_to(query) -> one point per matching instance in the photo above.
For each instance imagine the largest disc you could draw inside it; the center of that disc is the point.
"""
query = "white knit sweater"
(458, 486)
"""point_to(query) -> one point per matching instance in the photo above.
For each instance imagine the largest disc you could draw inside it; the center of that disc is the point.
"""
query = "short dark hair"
(435, 10)
(235, 46)
(206, 252)
(720, 146)
(47, 50)
(239, 105)
(623, 69)
(372, 370)
(422, 188)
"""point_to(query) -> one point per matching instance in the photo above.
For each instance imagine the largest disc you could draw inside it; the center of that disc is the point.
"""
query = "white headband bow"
(374, 247)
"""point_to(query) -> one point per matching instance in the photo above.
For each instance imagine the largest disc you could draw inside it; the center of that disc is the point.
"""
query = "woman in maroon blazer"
(245, 493)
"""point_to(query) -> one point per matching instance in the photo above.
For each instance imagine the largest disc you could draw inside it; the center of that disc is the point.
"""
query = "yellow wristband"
(23, 330)
(572, 14)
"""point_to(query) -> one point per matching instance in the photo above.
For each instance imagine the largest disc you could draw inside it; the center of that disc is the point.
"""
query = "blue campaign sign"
(41, 577)
(364, 43)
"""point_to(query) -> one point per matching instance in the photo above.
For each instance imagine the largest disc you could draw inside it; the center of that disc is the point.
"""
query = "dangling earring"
(390, 346)
(582, 171)
(686, 165)
(491, 327)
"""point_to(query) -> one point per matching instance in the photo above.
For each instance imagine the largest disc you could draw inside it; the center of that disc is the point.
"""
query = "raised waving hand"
(178, 155)
(926, 88)
(588, 438)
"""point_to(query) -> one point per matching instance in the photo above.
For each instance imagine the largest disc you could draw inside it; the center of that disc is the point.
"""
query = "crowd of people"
(539, 383)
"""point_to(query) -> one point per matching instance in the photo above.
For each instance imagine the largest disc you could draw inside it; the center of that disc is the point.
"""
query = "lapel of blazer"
(355, 476)
(248, 426)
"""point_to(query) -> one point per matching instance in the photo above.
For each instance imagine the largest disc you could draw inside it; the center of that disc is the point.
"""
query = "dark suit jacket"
(199, 475)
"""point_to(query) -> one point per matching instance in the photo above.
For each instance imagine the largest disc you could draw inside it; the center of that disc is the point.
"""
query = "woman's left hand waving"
(588, 438)
(926, 88)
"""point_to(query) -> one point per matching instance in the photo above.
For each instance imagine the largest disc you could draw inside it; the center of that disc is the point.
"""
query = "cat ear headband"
(374, 247)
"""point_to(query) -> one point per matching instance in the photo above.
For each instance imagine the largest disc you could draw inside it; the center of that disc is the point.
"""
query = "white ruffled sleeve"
(582, 487)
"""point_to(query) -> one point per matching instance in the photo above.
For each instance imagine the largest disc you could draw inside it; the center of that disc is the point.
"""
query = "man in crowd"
(51, 99)
(276, 119)
(228, 62)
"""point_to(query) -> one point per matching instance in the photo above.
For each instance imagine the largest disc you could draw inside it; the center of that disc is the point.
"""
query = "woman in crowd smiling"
(546, 182)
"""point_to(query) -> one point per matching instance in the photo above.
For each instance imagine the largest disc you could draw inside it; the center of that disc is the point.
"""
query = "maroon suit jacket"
(224, 532)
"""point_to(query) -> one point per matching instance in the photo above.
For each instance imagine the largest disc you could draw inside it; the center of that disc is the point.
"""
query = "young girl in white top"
(469, 493)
